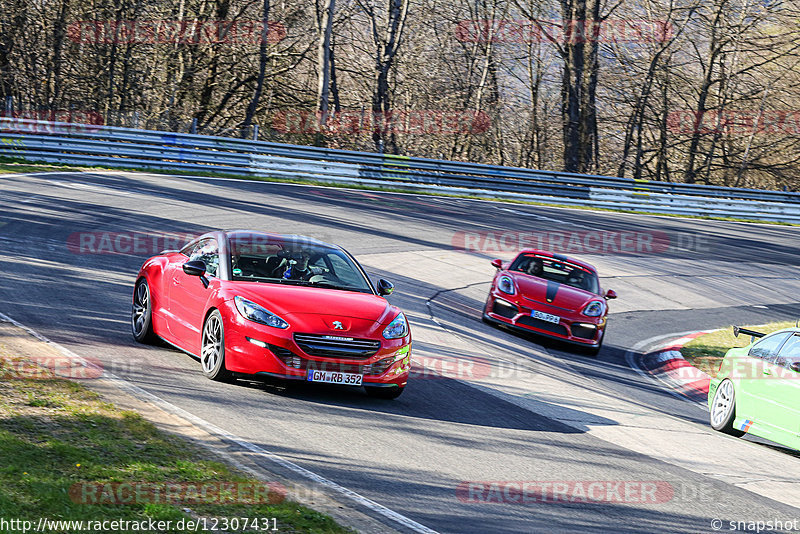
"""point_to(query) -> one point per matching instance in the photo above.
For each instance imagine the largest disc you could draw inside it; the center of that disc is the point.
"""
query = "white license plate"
(332, 377)
(550, 318)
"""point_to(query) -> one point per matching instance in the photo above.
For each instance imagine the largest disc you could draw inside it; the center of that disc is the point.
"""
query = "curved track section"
(489, 410)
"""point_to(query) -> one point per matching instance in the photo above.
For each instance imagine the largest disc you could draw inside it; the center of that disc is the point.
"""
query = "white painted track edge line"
(213, 429)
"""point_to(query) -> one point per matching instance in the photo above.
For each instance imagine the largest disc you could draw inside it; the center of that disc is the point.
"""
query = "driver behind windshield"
(535, 267)
(299, 269)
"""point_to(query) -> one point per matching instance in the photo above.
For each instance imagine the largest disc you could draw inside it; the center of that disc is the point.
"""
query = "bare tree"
(387, 32)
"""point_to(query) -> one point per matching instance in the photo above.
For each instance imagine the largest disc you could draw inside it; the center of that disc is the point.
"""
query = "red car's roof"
(560, 257)
(280, 238)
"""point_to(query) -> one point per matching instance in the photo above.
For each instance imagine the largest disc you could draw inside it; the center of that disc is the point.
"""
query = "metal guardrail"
(79, 144)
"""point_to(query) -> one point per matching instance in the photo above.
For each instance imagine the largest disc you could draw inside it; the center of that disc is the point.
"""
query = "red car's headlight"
(397, 328)
(506, 285)
(253, 312)
(596, 308)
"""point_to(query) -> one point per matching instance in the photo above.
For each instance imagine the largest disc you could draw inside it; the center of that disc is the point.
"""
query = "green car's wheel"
(723, 409)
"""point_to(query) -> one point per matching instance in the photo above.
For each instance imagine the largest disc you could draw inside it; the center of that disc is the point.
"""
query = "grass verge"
(61, 445)
(17, 168)
(705, 352)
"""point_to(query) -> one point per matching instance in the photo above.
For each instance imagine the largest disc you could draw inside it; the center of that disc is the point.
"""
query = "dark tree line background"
(712, 99)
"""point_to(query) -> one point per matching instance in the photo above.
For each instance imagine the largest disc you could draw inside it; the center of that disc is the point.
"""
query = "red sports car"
(274, 305)
(551, 295)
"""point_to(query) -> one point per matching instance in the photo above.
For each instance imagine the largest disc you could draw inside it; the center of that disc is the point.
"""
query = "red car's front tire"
(594, 351)
(142, 313)
(212, 349)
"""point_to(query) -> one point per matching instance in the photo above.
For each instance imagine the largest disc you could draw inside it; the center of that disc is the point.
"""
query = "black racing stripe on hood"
(552, 289)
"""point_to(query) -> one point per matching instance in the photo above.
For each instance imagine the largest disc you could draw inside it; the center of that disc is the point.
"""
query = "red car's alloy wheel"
(212, 351)
(141, 314)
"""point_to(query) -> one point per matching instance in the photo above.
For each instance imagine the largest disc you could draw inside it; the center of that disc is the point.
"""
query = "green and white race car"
(757, 388)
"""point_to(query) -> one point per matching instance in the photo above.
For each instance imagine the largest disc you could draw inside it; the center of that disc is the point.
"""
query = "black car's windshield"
(293, 260)
(556, 270)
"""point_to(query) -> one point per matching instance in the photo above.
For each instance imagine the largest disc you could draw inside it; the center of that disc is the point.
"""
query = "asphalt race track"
(539, 412)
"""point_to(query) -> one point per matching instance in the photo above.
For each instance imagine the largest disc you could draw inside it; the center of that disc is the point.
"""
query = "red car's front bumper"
(284, 358)
(581, 330)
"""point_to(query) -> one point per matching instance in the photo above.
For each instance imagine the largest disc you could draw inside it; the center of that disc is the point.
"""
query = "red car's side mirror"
(611, 294)
(498, 264)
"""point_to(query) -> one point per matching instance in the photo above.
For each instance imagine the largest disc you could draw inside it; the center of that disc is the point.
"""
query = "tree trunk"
(579, 84)
(58, 47)
(262, 69)
(325, 17)
(387, 44)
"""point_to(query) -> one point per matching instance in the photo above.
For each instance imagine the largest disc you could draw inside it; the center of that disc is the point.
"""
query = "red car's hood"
(316, 309)
(561, 295)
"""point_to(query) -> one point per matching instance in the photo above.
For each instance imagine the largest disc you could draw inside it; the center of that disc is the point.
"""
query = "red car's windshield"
(275, 259)
(556, 270)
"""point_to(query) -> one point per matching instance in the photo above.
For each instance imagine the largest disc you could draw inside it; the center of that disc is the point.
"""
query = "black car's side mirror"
(385, 287)
(795, 366)
(196, 268)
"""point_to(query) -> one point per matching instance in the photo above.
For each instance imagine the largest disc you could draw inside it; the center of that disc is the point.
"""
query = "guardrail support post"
(255, 132)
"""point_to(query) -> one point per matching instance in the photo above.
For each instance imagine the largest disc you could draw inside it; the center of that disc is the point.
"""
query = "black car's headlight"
(258, 314)
(596, 308)
(506, 285)
(397, 328)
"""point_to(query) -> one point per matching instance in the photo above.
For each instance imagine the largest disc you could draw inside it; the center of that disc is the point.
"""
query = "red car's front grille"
(543, 325)
(294, 361)
(337, 346)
